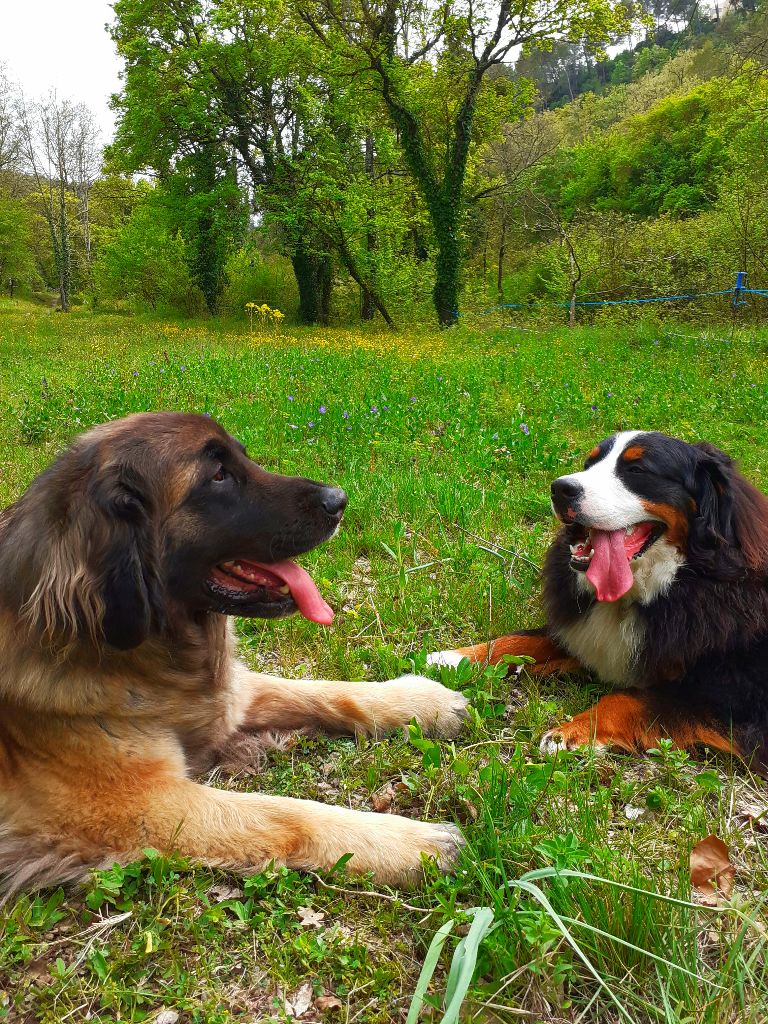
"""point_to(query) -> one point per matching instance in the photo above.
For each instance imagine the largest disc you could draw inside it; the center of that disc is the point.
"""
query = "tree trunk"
(313, 278)
(368, 308)
(64, 253)
(445, 293)
(502, 253)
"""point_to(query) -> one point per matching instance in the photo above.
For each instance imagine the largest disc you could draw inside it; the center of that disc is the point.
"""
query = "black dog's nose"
(333, 500)
(565, 490)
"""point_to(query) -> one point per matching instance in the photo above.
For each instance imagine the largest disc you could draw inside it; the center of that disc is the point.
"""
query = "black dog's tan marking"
(681, 623)
(118, 567)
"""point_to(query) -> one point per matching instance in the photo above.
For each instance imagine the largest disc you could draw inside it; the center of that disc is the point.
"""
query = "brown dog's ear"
(123, 561)
(79, 561)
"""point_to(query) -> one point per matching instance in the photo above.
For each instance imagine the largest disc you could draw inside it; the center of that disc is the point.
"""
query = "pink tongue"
(609, 571)
(303, 591)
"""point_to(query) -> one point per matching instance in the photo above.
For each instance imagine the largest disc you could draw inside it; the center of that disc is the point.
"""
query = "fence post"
(741, 277)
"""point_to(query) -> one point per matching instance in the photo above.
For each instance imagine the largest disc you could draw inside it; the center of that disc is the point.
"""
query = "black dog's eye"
(220, 474)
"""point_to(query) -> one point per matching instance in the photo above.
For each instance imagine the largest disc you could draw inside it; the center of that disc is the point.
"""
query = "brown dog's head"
(154, 511)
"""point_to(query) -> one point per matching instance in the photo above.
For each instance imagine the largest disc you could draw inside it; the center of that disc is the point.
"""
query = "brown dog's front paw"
(439, 711)
(400, 856)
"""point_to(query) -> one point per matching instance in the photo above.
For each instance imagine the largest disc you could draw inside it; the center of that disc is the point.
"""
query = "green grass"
(448, 521)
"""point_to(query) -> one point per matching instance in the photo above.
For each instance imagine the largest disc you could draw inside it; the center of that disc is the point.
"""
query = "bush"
(253, 277)
(148, 263)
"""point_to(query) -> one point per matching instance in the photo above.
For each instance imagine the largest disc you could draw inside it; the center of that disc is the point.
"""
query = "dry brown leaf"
(301, 1000)
(309, 918)
(221, 891)
(38, 970)
(328, 1003)
(712, 872)
(383, 799)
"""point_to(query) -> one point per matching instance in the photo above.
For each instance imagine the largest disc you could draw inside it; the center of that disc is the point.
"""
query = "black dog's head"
(155, 511)
(644, 496)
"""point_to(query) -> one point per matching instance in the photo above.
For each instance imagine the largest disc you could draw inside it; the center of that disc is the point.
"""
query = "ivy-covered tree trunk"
(313, 278)
(445, 293)
(368, 309)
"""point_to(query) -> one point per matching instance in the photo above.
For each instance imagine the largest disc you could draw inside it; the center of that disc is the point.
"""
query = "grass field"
(446, 445)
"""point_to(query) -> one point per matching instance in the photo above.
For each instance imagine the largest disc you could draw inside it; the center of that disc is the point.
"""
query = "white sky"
(62, 45)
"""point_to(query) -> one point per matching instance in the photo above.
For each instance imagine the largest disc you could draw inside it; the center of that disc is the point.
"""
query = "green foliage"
(148, 262)
(16, 262)
(253, 276)
(668, 160)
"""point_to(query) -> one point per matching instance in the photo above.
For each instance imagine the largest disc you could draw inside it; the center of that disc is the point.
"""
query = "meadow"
(446, 443)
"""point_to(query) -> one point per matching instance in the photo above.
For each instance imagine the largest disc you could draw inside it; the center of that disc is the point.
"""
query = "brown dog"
(118, 569)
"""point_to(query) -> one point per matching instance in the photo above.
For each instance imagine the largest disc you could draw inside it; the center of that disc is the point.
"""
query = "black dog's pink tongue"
(609, 571)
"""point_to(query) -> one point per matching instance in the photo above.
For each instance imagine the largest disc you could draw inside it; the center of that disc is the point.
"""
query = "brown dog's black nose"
(565, 493)
(333, 500)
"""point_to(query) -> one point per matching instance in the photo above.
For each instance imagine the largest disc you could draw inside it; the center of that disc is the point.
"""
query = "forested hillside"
(397, 164)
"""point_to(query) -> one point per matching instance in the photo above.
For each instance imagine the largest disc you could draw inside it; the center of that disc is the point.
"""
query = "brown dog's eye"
(221, 474)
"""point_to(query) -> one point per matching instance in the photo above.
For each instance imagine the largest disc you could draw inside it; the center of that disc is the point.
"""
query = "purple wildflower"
(345, 415)
(322, 410)
(290, 398)
(525, 429)
(413, 399)
(374, 409)
(310, 423)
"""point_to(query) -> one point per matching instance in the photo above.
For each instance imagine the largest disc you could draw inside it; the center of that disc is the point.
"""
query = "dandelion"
(525, 429)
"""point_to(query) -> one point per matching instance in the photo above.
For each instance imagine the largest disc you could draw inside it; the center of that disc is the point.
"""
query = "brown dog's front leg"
(339, 708)
(247, 831)
(549, 657)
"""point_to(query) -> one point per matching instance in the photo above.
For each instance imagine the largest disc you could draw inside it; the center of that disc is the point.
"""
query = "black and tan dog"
(118, 569)
(658, 583)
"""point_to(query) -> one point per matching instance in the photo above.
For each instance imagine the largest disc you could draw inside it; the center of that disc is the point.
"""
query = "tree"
(59, 148)
(429, 64)
(9, 129)
(16, 262)
(243, 77)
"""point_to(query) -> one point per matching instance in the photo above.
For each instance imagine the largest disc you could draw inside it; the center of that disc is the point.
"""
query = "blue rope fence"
(736, 293)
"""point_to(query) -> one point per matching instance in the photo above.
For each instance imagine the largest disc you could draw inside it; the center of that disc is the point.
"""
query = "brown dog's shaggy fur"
(118, 679)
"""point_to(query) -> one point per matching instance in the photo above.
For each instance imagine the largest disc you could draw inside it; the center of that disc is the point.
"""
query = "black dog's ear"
(713, 492)
(126, 569)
